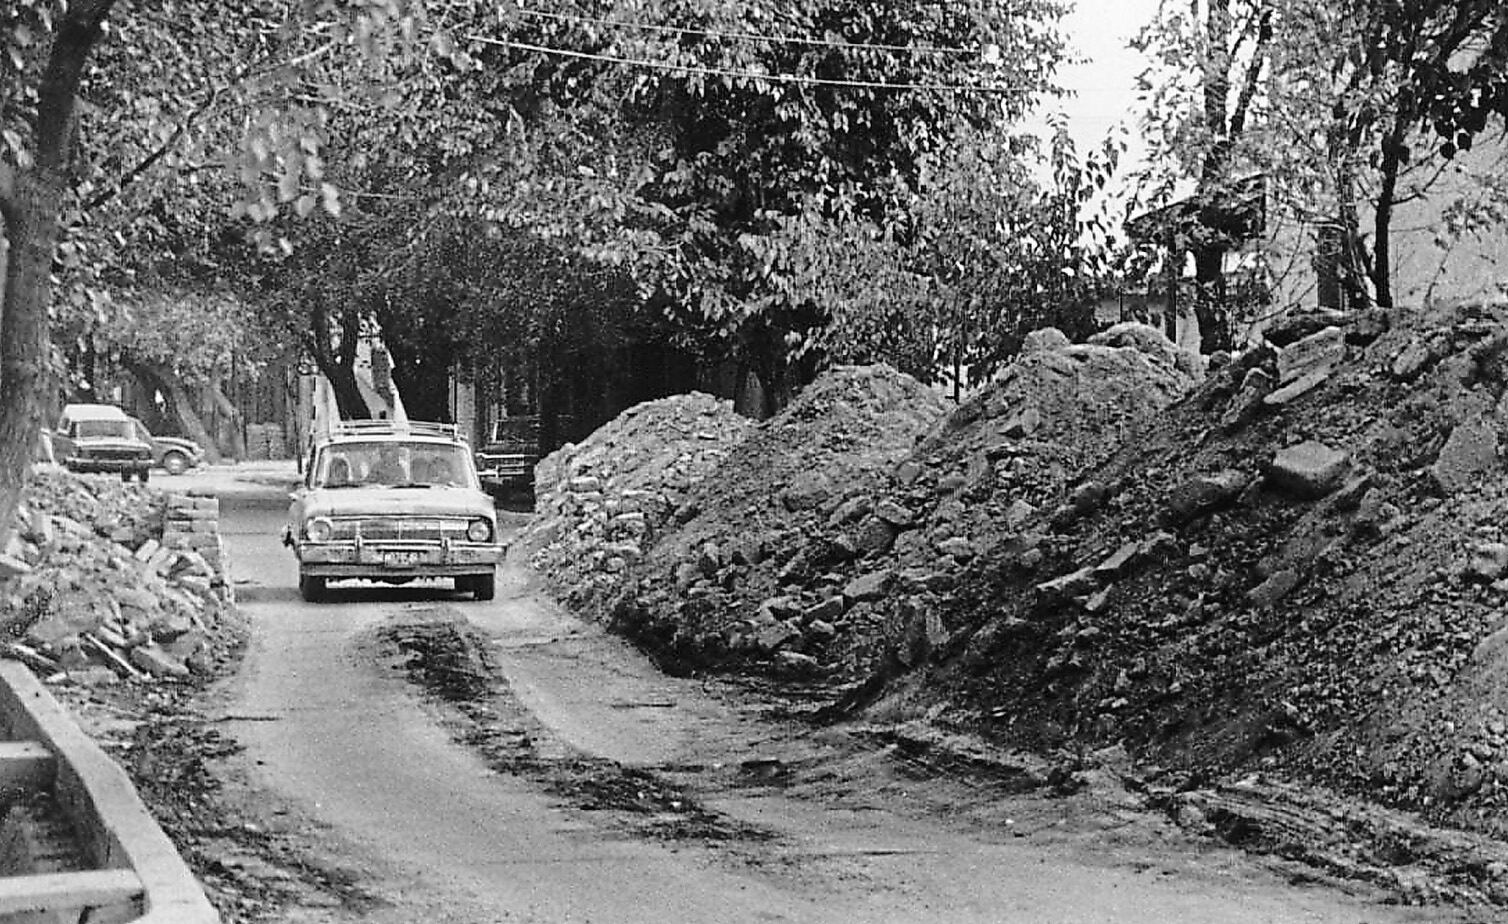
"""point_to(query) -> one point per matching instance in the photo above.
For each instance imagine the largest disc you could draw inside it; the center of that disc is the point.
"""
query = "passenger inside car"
(339, 471)
(435, 470)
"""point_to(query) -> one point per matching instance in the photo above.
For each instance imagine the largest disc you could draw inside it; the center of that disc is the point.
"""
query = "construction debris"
(111, 575)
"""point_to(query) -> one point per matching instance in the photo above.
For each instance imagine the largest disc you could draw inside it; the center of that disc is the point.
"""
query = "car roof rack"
(391, 428)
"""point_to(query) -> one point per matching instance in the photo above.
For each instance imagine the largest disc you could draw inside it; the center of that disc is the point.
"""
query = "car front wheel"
(483, 586)
(175, 462)
(311, 588)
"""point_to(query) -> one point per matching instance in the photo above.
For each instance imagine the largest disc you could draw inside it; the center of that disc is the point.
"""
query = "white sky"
(1104, 83)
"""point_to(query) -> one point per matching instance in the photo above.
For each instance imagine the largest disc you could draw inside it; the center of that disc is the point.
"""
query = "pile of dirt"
(601, 502)
(1299, 573)
(103, 580)
(823, 546)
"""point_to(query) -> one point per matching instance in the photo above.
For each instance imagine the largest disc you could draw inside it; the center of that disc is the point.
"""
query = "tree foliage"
(689, 141)
(1335, 119)
(59, 100)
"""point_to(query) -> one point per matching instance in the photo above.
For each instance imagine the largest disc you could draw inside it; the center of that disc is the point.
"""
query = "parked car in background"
(389, 501)
(505, 461)
(100, 438)
(173, 453)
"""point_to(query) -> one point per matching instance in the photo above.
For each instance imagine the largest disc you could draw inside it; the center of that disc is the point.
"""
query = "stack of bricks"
(192, 523)
(265, 441)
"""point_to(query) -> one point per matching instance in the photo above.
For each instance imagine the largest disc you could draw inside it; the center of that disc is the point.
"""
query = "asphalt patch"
(451, 662)
(252, 873)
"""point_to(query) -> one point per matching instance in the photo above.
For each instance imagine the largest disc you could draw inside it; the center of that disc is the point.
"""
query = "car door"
(145, 435)
(296, 501)
(62, 440)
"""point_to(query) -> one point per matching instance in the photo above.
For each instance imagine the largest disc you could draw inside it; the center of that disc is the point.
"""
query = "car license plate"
(401, 559)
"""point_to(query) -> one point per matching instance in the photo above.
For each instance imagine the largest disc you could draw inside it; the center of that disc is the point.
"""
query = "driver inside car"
(387, 468)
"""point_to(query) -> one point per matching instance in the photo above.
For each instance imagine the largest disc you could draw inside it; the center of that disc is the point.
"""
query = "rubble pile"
(843, 434)
(103, 580)
(824, 563)
(601, 502)
(1300, 572)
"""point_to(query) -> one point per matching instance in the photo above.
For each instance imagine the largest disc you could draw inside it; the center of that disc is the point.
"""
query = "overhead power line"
(737, 74)
(749, 36)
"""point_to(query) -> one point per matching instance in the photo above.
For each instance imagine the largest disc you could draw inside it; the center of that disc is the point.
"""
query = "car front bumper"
(89, 464)
(382, 560)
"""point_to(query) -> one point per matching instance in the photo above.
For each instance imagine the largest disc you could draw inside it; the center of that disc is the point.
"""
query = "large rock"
(1152, 343)
(1047, 338)
(1470, 452)
(1204, 493)
(1314, 355)
(1308, 470)
(865, 587)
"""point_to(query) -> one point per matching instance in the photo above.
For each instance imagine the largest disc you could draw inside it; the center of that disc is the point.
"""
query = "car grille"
(112, 454)
(499, 465)
(401, 529)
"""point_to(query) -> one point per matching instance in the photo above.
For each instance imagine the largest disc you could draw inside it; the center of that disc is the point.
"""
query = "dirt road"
(592, 788)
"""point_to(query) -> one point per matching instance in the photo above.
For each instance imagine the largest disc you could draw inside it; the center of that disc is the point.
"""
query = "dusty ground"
(623, 794)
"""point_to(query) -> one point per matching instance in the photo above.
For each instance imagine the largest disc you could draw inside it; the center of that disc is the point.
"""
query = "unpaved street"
(592, 788)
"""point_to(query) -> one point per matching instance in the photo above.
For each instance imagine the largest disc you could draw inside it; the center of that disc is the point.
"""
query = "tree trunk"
(30, 201)
(235, 436)
(31, 211)
(1172, 272)
(342, 377)
(1210, 307)
(422, 380)
(1382, 224)
(180, 406)
(337, 365)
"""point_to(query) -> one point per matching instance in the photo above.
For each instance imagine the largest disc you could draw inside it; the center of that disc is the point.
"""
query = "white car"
(392, 502)
(100, 438)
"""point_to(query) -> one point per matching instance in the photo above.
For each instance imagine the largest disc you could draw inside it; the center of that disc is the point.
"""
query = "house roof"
(1237, 212)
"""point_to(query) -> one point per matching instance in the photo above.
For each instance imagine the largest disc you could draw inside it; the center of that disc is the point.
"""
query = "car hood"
(188, 446)
(375, 501)
(109, 442)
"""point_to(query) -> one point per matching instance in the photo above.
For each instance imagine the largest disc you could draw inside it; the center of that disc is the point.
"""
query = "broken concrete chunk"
(1469, 452)
(157, 662)
(875, 536)
(1315, 354)
(870, 586)
(1489, 561)
(1308, 470)
(1117, 561)
(1274, 589)
(11, 566)
(1074, 584)
(796, 664)
(958, 547)
(1204, 493)
(773, 638)
(1412, 359)
(1018, 513)
(894, 514)
(828, 610)
(1023, 423)
(1297, 388)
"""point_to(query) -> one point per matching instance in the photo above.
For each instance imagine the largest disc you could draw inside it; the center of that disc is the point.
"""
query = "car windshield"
(392, 463)
(118, 429)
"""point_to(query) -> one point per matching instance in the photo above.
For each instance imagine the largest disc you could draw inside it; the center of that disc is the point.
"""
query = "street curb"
(116, 830)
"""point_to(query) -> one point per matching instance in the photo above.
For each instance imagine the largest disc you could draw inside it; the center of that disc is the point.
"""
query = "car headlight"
(479, 530)
(318, 529)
